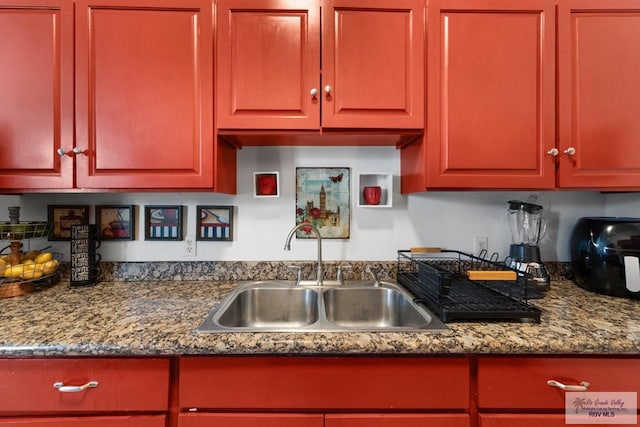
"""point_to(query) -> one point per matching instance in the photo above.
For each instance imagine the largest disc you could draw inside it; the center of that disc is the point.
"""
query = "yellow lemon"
(31, 255)
(50, 266)
(31, 274)
(43, 257)
(13, 271)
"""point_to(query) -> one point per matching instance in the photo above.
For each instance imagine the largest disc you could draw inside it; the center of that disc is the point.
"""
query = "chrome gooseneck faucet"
(287, 246)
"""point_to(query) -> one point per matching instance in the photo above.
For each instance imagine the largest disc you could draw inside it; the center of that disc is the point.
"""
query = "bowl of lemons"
(33, 265)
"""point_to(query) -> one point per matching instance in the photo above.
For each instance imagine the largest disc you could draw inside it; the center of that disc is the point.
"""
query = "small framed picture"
(116, 222)
(214, 223)
(62, 217)
(266, 184)
(163, 222)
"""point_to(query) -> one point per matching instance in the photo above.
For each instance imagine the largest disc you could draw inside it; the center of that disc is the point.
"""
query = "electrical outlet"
(189, 246)
(480, 244)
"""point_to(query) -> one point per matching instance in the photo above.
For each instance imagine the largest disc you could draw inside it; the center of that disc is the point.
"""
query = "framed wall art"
(323, 198)
(62, 217)
(214, 223)
(163, 222)
(266, 184)
(116, 222)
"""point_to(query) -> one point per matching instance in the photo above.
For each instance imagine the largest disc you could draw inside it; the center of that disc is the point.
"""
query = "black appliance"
(605, 253)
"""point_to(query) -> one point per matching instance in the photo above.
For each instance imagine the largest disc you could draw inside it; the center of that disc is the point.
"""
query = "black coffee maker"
(527, 228)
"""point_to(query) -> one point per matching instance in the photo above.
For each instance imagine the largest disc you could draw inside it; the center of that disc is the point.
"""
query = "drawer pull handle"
(582, 387)
(74, 388)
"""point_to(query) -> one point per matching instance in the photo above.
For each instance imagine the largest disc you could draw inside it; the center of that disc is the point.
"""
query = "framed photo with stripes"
(163, 222)
(215, 223)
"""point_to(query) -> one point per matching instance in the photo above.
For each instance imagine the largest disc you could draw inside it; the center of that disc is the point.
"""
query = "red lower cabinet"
(250, 420)
(84, 392)
(115, 421)
(522, 420)
(397, 420)
(324, 392)
(527, 391)
(320, 420)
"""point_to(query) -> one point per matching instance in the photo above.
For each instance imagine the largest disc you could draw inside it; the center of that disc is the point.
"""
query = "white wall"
(445, 219)
(623, 204)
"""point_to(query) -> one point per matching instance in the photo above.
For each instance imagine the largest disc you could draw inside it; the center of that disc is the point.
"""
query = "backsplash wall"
(445, 219)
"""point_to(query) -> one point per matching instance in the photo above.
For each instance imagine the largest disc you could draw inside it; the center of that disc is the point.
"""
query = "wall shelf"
(380, 179)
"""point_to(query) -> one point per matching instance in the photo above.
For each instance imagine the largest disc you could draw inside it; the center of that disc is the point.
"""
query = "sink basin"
(372, 307)
(283, 306)
(267, 307)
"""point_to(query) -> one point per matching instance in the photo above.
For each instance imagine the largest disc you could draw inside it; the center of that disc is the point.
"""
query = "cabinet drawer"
(521, 382)
(119, 421)
(27, 385)
(324, 382)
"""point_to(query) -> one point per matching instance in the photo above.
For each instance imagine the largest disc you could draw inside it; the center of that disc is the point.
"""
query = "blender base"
(526, 258)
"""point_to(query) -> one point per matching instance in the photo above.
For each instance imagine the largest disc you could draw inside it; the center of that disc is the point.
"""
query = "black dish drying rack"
(440, 281)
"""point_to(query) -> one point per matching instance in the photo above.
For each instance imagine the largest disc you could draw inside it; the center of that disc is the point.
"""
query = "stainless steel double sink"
(283, 306)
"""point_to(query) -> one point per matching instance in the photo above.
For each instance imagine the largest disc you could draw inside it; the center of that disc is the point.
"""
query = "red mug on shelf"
(372, 195)
(267, 185)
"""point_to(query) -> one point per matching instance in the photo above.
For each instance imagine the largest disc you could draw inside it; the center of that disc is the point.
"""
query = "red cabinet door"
(522, 420)
(144, 94)
(268, 64)
(598, 93)
(491, 94)
(250, 420)
(36, 93)
(373, 64)
(102, 421)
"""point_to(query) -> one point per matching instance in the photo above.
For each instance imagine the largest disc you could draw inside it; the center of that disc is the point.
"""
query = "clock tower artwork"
(323, 199)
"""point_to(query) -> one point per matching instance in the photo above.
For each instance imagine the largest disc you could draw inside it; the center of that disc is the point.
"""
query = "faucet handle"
(373, 275)
(298, 269)
(339, 274)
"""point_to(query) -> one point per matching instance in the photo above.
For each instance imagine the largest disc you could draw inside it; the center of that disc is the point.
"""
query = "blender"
(527, 228)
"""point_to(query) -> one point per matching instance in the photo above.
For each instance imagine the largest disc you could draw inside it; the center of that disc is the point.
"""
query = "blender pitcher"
(526, 223)
(527, 228)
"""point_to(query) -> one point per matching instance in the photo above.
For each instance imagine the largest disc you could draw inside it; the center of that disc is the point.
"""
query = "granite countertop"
(159, 318)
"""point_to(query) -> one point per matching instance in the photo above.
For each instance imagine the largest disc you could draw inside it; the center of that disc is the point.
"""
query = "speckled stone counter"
(159, 318)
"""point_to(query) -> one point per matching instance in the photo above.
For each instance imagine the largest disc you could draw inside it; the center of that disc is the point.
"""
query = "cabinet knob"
(328, 89)
(74, 388)
(566, 387)
(570, 151)
(75, 151)
(553, 152)
(313, 92)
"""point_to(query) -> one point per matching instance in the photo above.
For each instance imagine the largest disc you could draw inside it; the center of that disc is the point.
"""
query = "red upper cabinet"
(36, 93)
(491, 95)
(598, 93)
(268, 62)
(144, 94)
(373, 64)
(271, 76)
